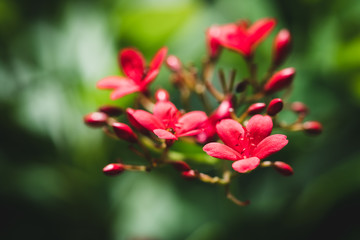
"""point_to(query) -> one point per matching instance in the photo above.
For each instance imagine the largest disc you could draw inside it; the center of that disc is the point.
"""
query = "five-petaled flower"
(239, 36)
(246, 145)
(167, 122)
(137, 77)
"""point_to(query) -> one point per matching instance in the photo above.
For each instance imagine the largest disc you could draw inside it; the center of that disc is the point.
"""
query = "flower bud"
(312, 127)
(275, 106)
(224, 110)
(173, 63)
(281, 47)
(112, 111)
(191, 174)
(180, 166)
(161, 95)
(283, 168)
(241, 86)
(256, 108)
(280, 80)
(113, 169)
(299, 108)
(95, 119)
(124, 132)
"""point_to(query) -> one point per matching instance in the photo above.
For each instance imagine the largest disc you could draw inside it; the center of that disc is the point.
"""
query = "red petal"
(191, 121)
(246, 165)
(149, 77)
(238, 41)
(221, 151)
(259, 127)
(124, 90)
(163, 134)
(146, 119)
(158, 59)
(260, 30)
(191, 133)
(165, 111)
(231, 133)
(132, 63)
(270, 145)
(112, 82)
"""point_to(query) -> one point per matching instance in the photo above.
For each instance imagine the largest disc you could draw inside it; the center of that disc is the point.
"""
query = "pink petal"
(132, 63)
(158, 59)
(124, 90)
(163, 134)
(191, 121)
(260, 30)
(259, 127)
(221, 151)
(191, 133)
(238, 41)
(231, 133)
(165, 111)
(152, 74)
(112, 82)
(246, 165)
(270, 145)
(146, 119)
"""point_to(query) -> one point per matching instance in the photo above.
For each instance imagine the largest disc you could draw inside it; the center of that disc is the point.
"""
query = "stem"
(208, 71)
(223, 81)
(232, 198)
(252, 71)
(232, 80)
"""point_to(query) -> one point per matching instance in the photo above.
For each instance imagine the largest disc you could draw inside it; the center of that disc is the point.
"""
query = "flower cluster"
(238, 128)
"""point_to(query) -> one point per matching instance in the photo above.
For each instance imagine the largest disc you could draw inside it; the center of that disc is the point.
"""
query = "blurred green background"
(51, 184)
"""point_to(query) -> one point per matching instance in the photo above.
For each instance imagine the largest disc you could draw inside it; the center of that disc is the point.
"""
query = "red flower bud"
(280, 80)
(124, 132)
(256, 108)
(281, 46)
(112, 111)
(299, 108)
(283, 168)
(95, 119)
(162, 95)
(181, 166)
(189, 174)
(312, 127)
(113, 169)
(275, 106)
(224, 110)
(173, 63)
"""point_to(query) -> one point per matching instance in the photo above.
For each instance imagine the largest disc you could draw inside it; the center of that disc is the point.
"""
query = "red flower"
(137, 77)
(167, 122)
(246, 146)
(239, 37)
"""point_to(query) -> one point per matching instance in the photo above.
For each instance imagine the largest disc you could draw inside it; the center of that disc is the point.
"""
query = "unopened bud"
(256, 108)
(281, 47)
(113, 169)
(95, 119)
(275, 106)
(299, 108)
(173, 63)
(191, 174)
(241, 86)
(112, 111)
(224, 109)
(283, 168)
(181, 166)
(312, 127)
(280, 80)
(124, 132)
(161, 95)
